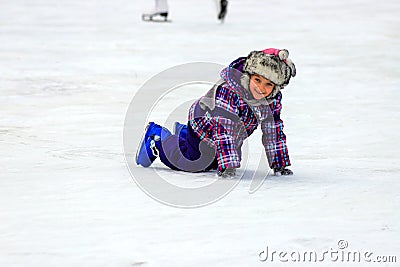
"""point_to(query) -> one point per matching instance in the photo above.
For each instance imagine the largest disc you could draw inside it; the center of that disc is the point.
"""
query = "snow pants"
(186, 152)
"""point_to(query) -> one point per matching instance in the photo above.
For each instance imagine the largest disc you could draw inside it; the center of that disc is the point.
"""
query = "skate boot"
(160, 9)
(150, 144)
(180, 129)
(223, 9)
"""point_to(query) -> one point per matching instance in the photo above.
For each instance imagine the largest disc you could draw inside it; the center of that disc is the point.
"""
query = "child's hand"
(282, 171)
(227, 173)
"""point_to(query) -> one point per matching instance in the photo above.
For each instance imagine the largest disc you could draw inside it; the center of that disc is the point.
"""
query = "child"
(248, 95)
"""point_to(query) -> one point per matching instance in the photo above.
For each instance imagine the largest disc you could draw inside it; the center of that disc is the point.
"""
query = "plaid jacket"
(231, 119)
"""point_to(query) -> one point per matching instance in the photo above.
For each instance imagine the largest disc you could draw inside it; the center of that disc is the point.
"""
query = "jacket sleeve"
(274, 139)
(224, 132)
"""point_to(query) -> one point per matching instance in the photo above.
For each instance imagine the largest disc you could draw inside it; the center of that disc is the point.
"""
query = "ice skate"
(180, 129)
(150, 143)
(156, 17)
(159, 13)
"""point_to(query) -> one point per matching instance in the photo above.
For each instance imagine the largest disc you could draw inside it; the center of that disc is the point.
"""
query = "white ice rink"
(68, 71)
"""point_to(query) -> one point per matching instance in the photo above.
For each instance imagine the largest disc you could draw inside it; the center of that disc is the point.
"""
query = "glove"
(282, 171)
(227, 173)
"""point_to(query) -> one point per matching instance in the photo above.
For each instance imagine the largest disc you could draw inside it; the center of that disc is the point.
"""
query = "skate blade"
(141, 141)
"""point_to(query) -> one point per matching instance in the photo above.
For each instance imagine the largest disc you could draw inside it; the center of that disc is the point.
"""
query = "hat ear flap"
(291, 66)
(245, 81)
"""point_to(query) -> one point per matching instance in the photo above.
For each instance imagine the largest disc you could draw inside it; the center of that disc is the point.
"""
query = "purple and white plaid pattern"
(233, 120)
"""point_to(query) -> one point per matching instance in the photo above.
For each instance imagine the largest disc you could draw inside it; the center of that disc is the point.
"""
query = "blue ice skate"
(180, 129)
(149, 145)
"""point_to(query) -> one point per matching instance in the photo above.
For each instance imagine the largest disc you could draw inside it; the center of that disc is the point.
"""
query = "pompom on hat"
(273, 64)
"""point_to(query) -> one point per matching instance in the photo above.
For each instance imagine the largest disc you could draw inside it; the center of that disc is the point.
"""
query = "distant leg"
(223, 9)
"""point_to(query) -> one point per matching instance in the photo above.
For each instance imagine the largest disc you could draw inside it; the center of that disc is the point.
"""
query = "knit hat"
(271, 63)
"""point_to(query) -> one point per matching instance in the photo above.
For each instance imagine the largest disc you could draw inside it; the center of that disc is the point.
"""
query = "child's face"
(260, 87)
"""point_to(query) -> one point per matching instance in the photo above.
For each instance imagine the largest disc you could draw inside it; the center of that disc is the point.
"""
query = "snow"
(68, 71)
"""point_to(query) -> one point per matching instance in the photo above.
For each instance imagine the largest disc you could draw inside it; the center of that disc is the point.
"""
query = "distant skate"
(156, 17)
(159, 13)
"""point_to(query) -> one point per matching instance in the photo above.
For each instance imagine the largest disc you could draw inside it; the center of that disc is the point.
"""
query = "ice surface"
(68, 70)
